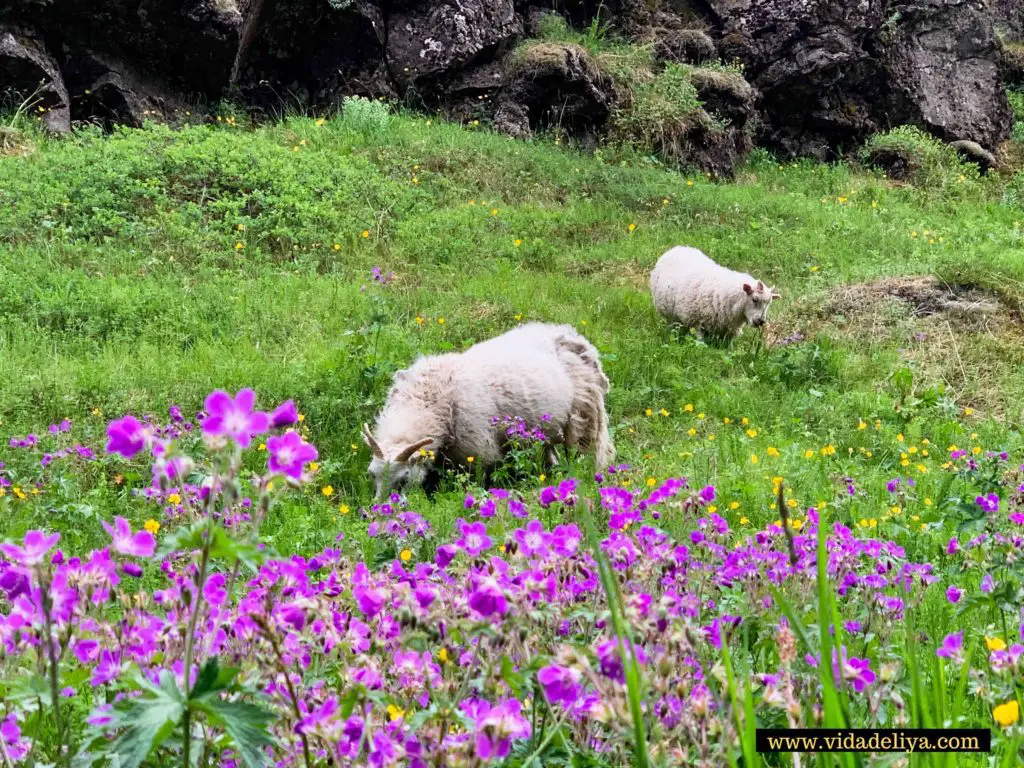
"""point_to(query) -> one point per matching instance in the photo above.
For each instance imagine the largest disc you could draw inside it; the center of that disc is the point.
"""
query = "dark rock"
(1013, 63)
(31, 74)
(832, 72)
(111, 92)
(1009, 17)
(684, 46)
(428, 40)
(554, 85)
(898, 163)
(726, 94)
(973, 152)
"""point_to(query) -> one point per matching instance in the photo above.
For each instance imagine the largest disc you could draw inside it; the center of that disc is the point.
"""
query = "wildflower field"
(817, 526)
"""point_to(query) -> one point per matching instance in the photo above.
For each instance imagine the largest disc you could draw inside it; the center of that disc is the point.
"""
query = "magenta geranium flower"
(952, 647)
(474, 538)
(953, 594)
(234, 418)
(488, 598)
(284, 415)
(126, 436)
(34, 549)
(858, 672)
(533, 541)
(561, 684)
(289, 454)
(141, 544)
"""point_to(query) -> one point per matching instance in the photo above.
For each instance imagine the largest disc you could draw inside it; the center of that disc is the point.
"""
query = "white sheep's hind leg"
(551, 456)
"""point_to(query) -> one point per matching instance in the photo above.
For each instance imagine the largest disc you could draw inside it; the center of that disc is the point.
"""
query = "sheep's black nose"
(759, 322)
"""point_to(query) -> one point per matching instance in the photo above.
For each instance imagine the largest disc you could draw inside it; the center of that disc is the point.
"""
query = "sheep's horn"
(410, 450)
(368, 437)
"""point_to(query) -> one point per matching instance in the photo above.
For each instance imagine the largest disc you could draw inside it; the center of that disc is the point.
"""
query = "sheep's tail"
(588, 423)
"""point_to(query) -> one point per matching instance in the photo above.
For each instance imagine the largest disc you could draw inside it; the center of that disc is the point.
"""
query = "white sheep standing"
(692, 290)
(441, 408)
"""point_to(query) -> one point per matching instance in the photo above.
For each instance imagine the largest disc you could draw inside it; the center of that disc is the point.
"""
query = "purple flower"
(953, 546)
(131, 569)
(533, 540)
(858, 672)
(953, 594)
(707, 494)
(952, 647)
(234, 417)
(989, 502)
(370, 600)
(565, 540)
(474, 538)
(289, 454)
(126, 436)
(488, 598)
(987, 583)
(497, 727)
(561, 684)
(284, 415)
(34, 550)
(141, 544)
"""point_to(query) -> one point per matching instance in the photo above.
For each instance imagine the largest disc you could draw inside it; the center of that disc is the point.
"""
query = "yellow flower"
(517, 242)
(240, 227)
(727, 420)
(922, 468)
(688, 408)
(651, 482)
(711, 437)
(442, 655)
(320, 122)
(874, 203)
(744, 421)
(712, 509)
(174, 499)
(862, 425)
(796, 524)
(751, 433)
(302, 417)
(899, 438)
(968, 411)
(912, 449)
(753, 458)
(395, 713)
(472, 202)
(689, 182)
(976, 450)
(336, 246)
(663, 412)
(542, 477)
(744, 520)
(665, 201)
(419, 320)
(648, 412)
(152, 526)
(494, 211)
(1007, 714)
(343, 509)
(792, 503)
(631, 228)
(313, 466)
(995, 643)
(734, 505)
(517, 317)
(96, 412)
(773, 452)
(470, 459)
(365, 233)
(440, 321)
(327, 490)
(262, 447)
(239, 246)
(405, 555)
(808, 454)
(700, 415)
(927, 502)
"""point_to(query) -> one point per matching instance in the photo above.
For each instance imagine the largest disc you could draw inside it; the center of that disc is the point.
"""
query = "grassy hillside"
(152, 266)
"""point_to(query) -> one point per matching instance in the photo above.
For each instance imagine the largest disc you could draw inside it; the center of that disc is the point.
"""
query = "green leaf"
(212, 678)
(245, 723)
(147, 721)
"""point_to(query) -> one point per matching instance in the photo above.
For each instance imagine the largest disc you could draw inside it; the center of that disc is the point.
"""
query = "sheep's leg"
(551, 456)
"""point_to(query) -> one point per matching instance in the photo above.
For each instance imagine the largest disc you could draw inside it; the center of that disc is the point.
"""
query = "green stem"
(52, 656)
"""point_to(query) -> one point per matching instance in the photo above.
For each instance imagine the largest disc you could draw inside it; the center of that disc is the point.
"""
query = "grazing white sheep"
(441, 408)
(692, 290)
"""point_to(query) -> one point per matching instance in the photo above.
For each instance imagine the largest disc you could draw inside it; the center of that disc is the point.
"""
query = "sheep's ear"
(368, 439)
(410, 450)
(747, 289)
(760, 285)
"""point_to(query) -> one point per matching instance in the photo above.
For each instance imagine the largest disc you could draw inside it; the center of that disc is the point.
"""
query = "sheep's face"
(392, 475)
(756, 307)
(406, 466)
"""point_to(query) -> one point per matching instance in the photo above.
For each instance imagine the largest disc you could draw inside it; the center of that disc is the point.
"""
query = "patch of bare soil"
(923, 296)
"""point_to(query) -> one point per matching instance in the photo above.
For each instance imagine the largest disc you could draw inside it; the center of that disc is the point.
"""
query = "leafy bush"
(909, 153)
(365, 116)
